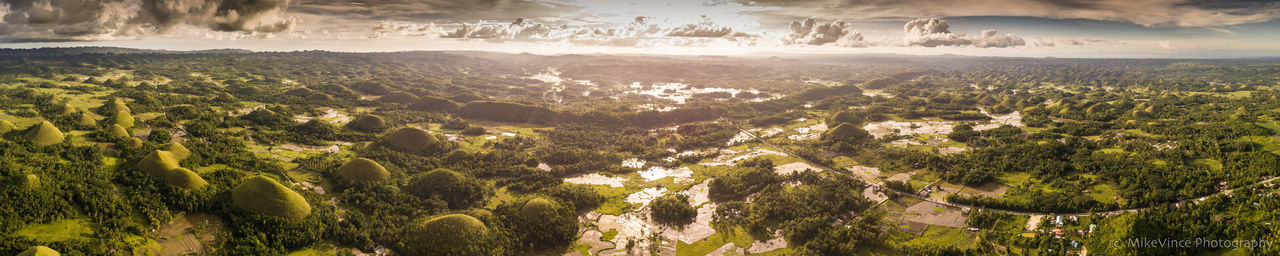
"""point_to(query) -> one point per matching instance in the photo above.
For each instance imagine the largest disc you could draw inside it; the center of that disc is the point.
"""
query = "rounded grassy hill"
(45, 134)
(265, 196)
(118, 105)
(123, 118)
(409, 139)
(537, 208)
(184, 178)
(158, 163)
(86, 120)
(117, 131)
(39, 251)
(459, 190)
(363, 169)
(453, 234)
(368, 123)
(848, 132)
(179, 152)
(30, 181)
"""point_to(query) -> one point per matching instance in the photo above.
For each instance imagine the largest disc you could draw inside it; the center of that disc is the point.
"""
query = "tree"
(672, 210)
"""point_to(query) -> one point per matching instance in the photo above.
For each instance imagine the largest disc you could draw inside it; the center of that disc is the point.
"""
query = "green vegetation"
(62, 230)
(118, 132)
(460, 153)
(363, 169)
(265, 196)
(6, 126)
(45, 134)
(454, 234)
(158, 163)
(536, 208)
(122, 118)
(457, 189)
(39, 251)
(672, 210)
(184, 178)
(409, 139)
(179, 151)
(368, 123)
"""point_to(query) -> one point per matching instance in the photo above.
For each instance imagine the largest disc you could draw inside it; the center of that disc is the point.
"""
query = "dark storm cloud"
(936, 32)
(52, 20)
(435, 10)
(1154, 13)
(221, 15)
(62, 17)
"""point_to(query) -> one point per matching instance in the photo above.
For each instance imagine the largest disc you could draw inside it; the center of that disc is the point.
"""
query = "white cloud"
(1166, 45)
(1222, 30)
(811, 31)
(936, 32)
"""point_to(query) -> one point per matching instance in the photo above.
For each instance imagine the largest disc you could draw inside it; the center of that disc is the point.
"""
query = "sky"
(1026, 28)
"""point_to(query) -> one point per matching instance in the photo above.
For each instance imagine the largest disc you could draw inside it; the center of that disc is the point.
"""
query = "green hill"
(30, 181)
(158, 163)
(399, 97)
(459, 190)
(117, 105)
(6, 126)
(133, 143)
(182, 177)
(122, 118)
(117, 131)
(454, 234)
(45, 134)
(39, 251)
(86, 120)
(363, 169)
(368, 123)
(537, 208)
(409, 139)
(179, 152)
(848, 133)
(265, 196)
(66, 109)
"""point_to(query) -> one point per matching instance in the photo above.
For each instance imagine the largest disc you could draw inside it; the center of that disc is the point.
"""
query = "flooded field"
(596, 179)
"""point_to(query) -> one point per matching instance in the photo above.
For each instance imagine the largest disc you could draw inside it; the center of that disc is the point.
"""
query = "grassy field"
(1014, 179)
(939, 236)
(738, 237)
(1102, 192)
(57, 231)
(615, 200)
(1113, 151)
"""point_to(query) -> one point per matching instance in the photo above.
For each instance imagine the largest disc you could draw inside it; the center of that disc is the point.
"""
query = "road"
(1024, 213)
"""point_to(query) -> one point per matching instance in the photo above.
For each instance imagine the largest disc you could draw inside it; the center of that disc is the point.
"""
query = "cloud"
(811, 31)
(643, 30)
(1074, 41)
(936, 32)
(705, 29)
(1151, 13)
(121, 19)
(62, 19)
(401, 28)
(1222, 30)
(1166, 45)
